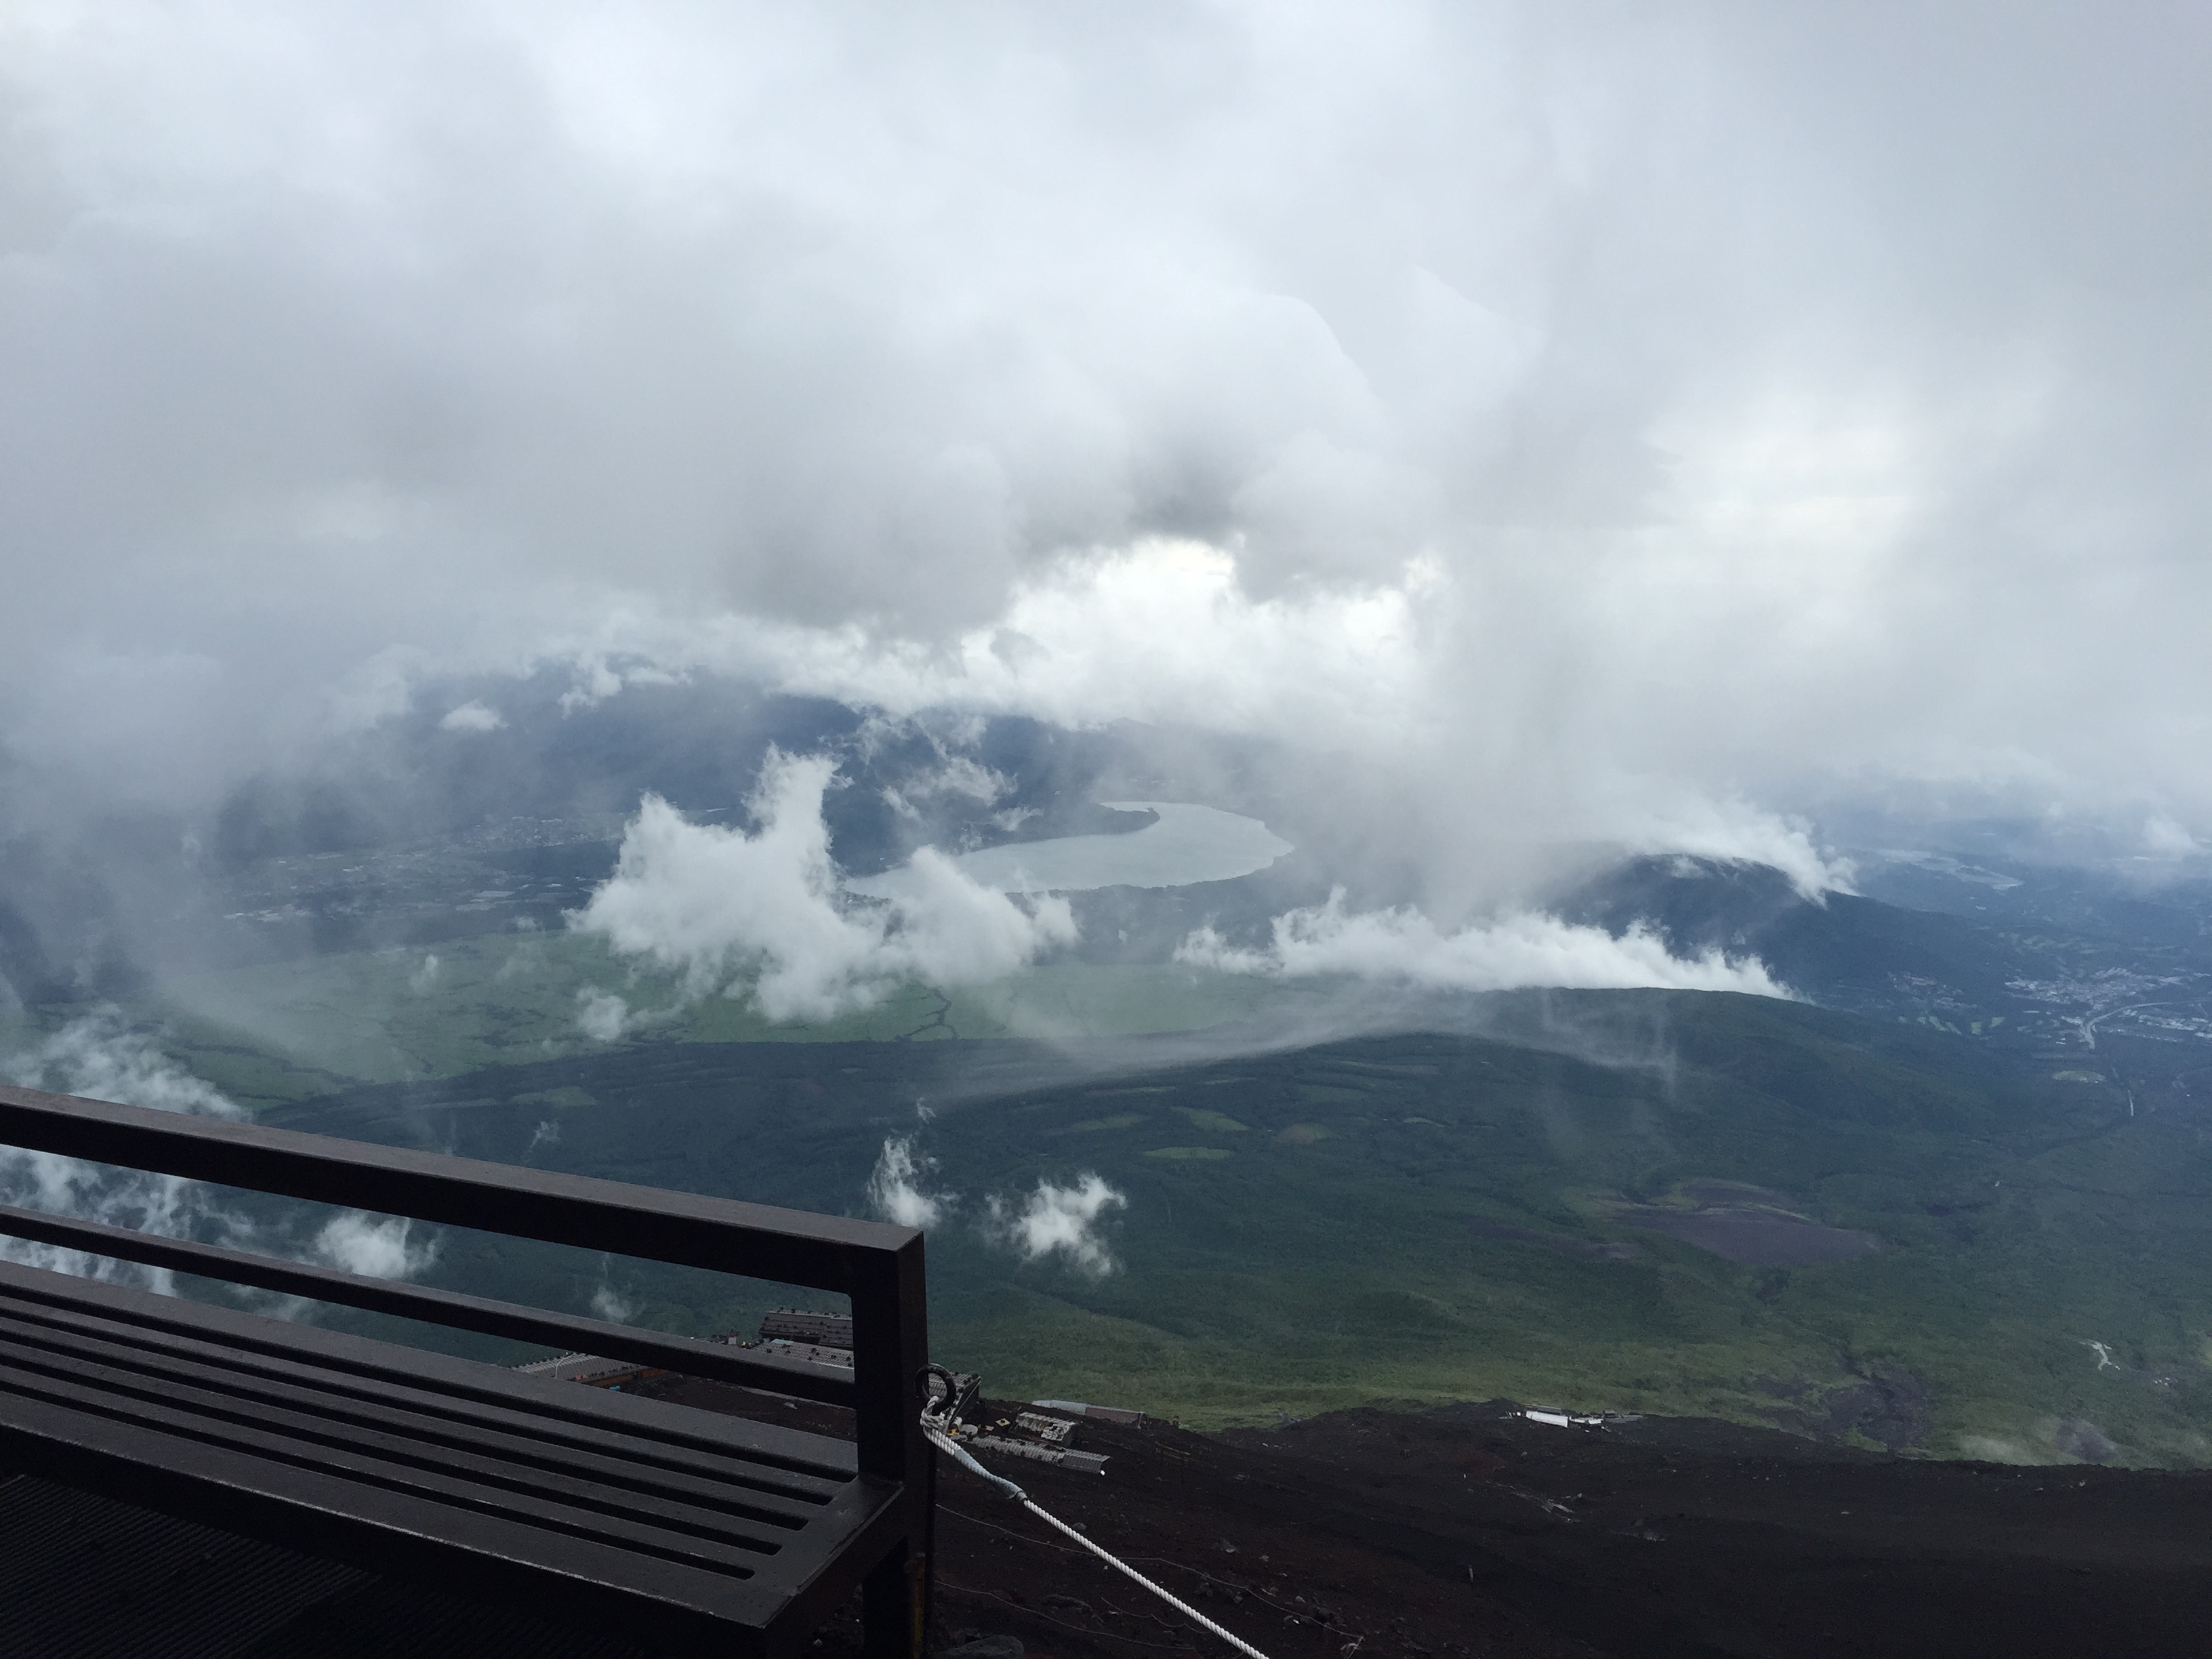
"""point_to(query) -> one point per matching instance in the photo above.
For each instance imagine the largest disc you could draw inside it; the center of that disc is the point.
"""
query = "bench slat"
(326, 1514)
(354, 1361)
(740, 1487)
(314, 1436)
(306, 1439)
(282, 1438)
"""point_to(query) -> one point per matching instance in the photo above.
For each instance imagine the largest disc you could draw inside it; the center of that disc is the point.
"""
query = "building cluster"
(801, 1337)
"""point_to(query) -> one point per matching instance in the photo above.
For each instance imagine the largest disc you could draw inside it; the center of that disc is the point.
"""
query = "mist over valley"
(1848, 1204)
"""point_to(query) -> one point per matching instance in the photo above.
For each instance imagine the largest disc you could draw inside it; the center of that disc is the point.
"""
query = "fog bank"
(1523, 423)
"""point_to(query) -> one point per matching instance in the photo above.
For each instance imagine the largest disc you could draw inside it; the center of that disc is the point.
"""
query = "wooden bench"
(678, 1528)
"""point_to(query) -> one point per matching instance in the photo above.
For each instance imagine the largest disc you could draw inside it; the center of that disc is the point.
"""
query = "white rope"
(946, 1443)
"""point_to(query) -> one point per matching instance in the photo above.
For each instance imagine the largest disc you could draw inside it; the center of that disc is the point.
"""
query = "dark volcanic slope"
(1466, 1530)
(1359, 1536)
(1694, 1538)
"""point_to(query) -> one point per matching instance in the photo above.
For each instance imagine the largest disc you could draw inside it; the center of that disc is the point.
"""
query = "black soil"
(1468, 1530)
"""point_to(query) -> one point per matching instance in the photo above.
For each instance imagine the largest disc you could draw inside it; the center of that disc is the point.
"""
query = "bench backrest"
(879, 1267)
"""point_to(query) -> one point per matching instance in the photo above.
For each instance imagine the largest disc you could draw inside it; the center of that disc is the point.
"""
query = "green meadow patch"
(1205, 1117)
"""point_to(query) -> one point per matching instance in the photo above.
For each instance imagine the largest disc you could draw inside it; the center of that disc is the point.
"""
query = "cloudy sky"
(1607, 420)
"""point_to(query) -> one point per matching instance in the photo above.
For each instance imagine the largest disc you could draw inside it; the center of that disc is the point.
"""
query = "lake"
(1187, 844)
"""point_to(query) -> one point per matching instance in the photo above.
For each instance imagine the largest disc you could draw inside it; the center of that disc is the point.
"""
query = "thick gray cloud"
(1595, 420)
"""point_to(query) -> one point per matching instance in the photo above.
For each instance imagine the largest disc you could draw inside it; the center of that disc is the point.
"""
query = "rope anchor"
(939, 1418)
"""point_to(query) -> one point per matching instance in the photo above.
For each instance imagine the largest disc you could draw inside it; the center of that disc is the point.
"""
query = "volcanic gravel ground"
(1468, 1530)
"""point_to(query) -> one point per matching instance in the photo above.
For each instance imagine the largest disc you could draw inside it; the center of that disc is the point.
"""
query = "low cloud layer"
(1512, 953)
(763, 914)
(100, 1058)
(1536, 422)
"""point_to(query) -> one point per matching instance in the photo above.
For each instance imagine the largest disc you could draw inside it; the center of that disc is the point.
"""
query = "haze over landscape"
(1388, 703)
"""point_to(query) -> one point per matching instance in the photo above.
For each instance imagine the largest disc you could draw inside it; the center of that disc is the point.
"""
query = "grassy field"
(1423, 1219)
(292, 1030)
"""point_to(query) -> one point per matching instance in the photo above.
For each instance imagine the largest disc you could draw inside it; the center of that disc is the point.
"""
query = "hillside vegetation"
(1931, 1237)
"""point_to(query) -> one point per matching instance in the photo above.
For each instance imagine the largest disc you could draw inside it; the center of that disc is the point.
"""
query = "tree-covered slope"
(1627, 1201)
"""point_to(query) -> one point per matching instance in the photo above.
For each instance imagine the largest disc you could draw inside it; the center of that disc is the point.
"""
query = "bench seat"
(672, 1526)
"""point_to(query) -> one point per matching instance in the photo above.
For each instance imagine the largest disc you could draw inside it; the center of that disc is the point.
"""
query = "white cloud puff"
(895, 1191)
(1063, 1221)
(2162, 837)
(374, 1247)
(100, 1058)
(612, 1305)
(472, 717)
(1515, 952)
(602, 1015)
(712, 903)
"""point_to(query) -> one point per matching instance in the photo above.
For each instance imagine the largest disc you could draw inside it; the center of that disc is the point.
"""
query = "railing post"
(890, 1347)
